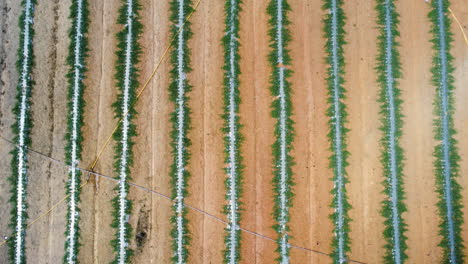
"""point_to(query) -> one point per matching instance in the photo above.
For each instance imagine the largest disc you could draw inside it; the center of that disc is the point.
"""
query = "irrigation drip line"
(179, 87)
(126, 80)
(388, 70)
(333, 27)
(21, 129)
(232, 133)
(167, 197)
(281, 110)
(77, 53)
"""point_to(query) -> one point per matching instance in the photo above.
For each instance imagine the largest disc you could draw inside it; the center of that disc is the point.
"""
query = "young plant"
(22, 130)
(232, 138)
(446, 152)
(389, 72)
(128, 54)
(334, 34)
(180, 118)
(77, 61)
(280, 61)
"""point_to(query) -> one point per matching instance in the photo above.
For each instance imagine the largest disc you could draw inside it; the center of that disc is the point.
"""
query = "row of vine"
(389, 72)
(128, 53)
(232, 138)
(178, 89)
(334, 34)
(77, 61)
(280, 61)
(22, 130)
(446, 153)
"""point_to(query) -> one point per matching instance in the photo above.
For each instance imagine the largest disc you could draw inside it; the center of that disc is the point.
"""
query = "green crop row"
(180, 118)
(446, 153)
(389, 72)
(22, 130)
(280, 88)
(77, 61)
(231, 130)
(334, 34)
(128, 53)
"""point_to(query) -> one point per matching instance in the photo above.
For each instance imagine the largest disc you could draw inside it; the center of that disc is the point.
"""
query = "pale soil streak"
(206, 188)
(258, 132)
(153, 127)
(264, 137)
(57, 175)
(311, 147)
(46, 184)
(417, 139)
(364, 188)
(99, 119)
(91, 129)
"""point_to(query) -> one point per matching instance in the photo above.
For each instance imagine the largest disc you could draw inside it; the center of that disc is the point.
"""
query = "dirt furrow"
(310, 224)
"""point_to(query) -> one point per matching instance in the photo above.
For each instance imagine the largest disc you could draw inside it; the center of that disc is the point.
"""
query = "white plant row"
(22, 155)
(233, 206)
(284, 209)
(181, 115)
(73, 188)
(124, 157)
(339, 183)
(445, 128)
(390, 90)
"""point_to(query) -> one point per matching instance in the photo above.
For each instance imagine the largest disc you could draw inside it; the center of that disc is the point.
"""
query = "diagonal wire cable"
(97, 174)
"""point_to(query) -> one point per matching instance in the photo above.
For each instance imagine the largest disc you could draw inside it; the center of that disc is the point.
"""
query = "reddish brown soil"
(310, 224)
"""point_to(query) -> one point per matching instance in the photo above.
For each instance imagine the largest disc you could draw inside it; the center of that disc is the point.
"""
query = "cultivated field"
(216, 131)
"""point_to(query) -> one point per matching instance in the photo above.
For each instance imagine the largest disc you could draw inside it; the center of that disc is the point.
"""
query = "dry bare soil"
(311, 227)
